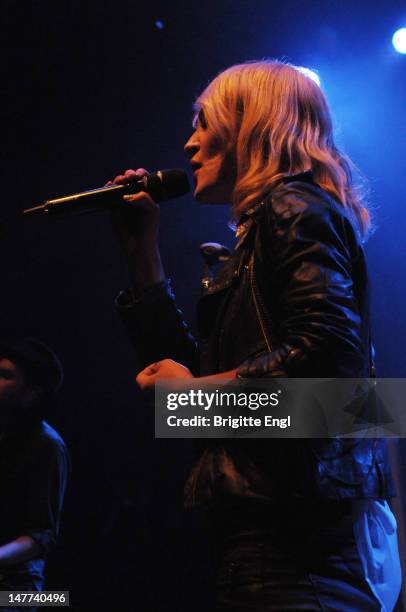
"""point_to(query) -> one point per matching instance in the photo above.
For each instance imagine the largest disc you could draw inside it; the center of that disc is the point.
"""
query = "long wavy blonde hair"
(277, 121)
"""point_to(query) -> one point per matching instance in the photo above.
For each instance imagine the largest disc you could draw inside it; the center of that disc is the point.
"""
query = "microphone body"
(161, 186)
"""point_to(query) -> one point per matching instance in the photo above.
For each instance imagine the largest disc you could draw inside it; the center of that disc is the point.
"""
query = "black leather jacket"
(291, 301)
(297, 285)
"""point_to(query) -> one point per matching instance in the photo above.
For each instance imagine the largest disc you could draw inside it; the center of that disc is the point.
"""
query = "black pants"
(296, 558)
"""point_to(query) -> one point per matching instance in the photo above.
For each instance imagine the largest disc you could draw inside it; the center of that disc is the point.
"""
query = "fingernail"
(127, 197)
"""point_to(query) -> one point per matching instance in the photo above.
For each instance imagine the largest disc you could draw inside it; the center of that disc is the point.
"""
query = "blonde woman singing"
(296, 524)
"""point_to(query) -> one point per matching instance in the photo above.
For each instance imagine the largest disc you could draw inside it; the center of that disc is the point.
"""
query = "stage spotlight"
(311, 74)
(399, 40)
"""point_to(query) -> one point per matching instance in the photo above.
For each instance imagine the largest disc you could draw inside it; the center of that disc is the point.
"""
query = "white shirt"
(375, 533)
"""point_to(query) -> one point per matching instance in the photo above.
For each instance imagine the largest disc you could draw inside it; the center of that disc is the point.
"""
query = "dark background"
(89, 89)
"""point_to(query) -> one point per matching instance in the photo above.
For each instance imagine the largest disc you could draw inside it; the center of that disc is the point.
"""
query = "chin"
(209, 197)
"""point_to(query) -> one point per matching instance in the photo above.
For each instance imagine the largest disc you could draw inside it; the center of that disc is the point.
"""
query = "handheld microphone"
(161, 186)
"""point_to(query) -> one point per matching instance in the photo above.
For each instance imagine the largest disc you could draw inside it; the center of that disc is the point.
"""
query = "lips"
(195, 166)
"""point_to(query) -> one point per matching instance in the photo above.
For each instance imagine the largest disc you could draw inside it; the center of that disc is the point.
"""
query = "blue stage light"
(310, 73)
(399, 40)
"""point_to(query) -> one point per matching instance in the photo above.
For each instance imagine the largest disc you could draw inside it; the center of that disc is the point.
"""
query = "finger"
(120, 178)
(135, 174)
(140, 379)
(141, 172)
(151, 369)
(129, 175)
(145, 381)
(140, 199)
(108, 183)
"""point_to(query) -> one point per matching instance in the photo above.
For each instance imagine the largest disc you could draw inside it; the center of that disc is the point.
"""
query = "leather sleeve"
(156, 327)
(304, 258)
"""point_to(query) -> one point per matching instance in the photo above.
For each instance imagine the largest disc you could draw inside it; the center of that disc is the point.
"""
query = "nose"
(192, 145)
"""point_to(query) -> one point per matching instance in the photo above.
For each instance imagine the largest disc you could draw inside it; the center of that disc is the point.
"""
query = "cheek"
(7, 390)
(215, 148)
(228, 168)
(3, 386)
(215, 165)
(211, 146)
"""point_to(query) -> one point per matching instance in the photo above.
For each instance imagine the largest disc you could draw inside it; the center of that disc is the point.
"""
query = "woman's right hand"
(137, 219)
(136, 223)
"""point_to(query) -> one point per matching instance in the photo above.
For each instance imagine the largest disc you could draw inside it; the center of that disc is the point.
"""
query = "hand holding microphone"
(161, 185)
(136, 226)
(137, 222)
(133, 199)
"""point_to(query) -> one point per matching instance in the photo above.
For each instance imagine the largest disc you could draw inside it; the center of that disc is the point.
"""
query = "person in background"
(34, 463)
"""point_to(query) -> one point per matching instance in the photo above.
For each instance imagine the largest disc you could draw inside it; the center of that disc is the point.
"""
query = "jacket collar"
(303, 177)
(232, 269)
(249, 215)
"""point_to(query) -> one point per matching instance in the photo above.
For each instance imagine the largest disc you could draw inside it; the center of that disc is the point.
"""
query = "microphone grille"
(167, 184)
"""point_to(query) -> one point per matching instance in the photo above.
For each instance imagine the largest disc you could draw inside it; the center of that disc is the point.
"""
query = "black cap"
(38, 361)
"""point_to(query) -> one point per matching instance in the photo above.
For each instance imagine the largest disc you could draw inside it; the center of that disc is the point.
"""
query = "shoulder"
(302, 210)
(298, 198)
(46, 441)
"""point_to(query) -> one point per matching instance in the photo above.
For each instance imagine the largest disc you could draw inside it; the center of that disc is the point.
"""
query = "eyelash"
(201, 119)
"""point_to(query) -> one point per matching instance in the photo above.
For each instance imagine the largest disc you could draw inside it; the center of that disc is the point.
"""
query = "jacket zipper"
(259, 305)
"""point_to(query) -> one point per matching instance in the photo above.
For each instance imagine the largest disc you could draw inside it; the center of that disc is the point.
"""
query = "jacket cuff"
(156, 293)
(283, 362)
